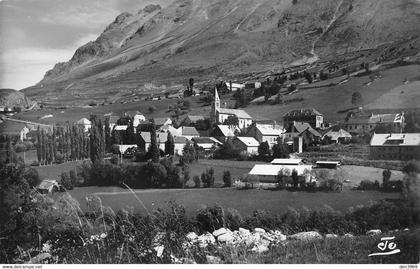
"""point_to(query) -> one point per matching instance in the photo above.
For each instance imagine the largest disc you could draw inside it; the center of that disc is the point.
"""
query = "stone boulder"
(213, 259)
(331, 236)
(373, 232)
(244, 232)
(221, 231)
(191, 236)
(259, 230)
(227, 238)
(306, 236)
(348, 235)
(206, 239)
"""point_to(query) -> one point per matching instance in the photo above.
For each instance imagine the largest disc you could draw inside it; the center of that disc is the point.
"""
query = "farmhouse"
(179, 144)
(233, 87)
(219, 115)
(14, 130)
(405, 146)
(308, 115)
(160, 122)
(207, 143)
(338, 136)
(302, 129)
(268, 173)
(266, 132)
(247, 144)
(48, 186)
(223, 132)
(123, 148)
(137, 118)
(112, 121)
(145, 140)
(85, 124)
(363, 124)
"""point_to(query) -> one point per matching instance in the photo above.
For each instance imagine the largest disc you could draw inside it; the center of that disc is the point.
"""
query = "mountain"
(11, 98)
(213, 39)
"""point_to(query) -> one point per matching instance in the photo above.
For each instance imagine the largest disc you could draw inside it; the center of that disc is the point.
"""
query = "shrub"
(367, 185)
(141, 156)
(197, 181)
(32, 177)
(66, 181)
(59, 158)
(115, 159)
(227, 179)
(35, 163)
(211, 218)
(20, 147)
(233, 219)
(208, 178)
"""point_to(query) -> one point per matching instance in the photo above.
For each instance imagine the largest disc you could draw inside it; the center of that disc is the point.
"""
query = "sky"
(37, 34)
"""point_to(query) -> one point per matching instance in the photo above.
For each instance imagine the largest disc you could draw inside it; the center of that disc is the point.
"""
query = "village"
(278, 150)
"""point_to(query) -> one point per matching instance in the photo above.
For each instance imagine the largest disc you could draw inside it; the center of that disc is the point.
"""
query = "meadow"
(245, 201)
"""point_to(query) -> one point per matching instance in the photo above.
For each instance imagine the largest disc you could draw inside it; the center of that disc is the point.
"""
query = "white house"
(266, 132)
(85, 123)
(138, 118)
(207, 143)
(247, 144)
(268, 172)
(234, 86)
(145, 140)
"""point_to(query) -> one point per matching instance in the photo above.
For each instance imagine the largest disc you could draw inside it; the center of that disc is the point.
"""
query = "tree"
(356, 99)
(172, 173)
(295, 178)
(280, 150)
(66, 181)
(232, 120)
(154, 173)
(208, 178)
(227, 179)
(11, 154)
(38, 145)
(189, 154)
(108, 139)
(227, 151)
(411, 189)
(186, 175)
(170, 145)
(154, 149)
(197, 181)
(281, 179)
(264, 149)
(386, 175)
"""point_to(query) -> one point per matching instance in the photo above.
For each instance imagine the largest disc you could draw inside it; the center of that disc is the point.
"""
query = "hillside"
(218, 39)
(11, 98)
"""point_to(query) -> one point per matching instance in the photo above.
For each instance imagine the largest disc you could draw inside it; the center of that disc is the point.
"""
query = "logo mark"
(387, 247)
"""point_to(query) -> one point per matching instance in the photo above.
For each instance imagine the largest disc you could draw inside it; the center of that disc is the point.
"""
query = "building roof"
(248, 141)
(273, 170)
(270, 129)
(84, 121)
(161, 121)
(227, 130)
(303, 112)
(287, 161)
(120, 127)
(335, 135)
(328, 162)
(161, 137)
(180, 140)
(189, 131)
(11, 127)
(113, 119)
(205, 140)
(47, 184)
(405, 139)
(300, 127)
(241, 114)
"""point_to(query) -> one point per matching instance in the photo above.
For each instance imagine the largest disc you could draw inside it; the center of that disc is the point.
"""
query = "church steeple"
(215, 107)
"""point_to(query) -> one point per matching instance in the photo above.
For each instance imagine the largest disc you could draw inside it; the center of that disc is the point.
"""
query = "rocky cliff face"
(213, 38)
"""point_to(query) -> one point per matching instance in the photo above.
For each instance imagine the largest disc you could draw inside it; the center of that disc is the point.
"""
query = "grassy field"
(54, 171)
(245, 201)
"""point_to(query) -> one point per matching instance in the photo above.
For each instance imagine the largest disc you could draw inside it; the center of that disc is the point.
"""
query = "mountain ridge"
(225, 38)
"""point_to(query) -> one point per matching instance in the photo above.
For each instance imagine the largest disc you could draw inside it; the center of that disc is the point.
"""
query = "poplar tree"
(170, 145)
(154, 149)
(38, 145)
(43, 148)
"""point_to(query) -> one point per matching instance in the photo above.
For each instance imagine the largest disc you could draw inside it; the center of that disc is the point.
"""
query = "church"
(219, 115)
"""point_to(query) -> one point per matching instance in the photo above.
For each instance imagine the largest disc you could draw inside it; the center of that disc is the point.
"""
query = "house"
(247, 144)
(218, 115)
(308, 115)
(161, 122)
(266, 132)
(189, 132)
(286, 161)
(310, 136)
(207, 143)
(85, 123)
(233, 87)
(297, 128)
(13, 129)
(268, 173)
(191, 120)
(137, 118)
(179, 144)
(367, 123)
(48, 186)
(404, 146)
(223, 132)
(337, 136)
(112, 121)
(145, 141)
